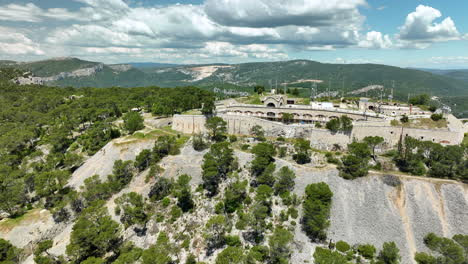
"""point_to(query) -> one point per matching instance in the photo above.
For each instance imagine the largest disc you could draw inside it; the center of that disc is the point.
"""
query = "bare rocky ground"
(373, 209)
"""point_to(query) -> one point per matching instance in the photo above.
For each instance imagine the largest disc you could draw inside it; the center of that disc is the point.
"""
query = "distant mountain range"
(460, 74)
(303, 74)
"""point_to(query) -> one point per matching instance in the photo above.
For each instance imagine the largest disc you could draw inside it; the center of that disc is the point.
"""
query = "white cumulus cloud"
(420, 27)
(376, 40)
(15, 43)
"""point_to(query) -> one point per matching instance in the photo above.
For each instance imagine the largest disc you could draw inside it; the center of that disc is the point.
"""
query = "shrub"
(333, 125)
(42, 246)
(404, 119)
(285, 182)
(233, 241)
(326, 256)
(176, 212)
(231, 255)
(390, 254)
(342, 246)
(166, 201)
(198, 143)
(367, 251)
(161, 188)
(279, 243)
(301, 158)
(282, 152)
(293, 212)
(437, 117)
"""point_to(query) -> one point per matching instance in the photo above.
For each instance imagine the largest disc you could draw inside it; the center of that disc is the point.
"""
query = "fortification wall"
(189, 124)
(320, 138)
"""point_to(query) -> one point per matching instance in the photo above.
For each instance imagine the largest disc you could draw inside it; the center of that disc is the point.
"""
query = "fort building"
(308, 120)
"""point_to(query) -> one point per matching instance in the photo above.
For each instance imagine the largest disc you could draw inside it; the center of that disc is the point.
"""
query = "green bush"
(198, 143)
(437, 117)
(367, 251)
(342, 246)
(390, 254)
(404, 119)
(446, 250)
(233, 241)
(8, 252)
(326, 256)
(176, 212)
(293, 212)
(165, 202)
(231, 255)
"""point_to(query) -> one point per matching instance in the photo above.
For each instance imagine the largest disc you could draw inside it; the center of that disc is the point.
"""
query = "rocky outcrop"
(103, 161)
(382, 208)
(63, 75)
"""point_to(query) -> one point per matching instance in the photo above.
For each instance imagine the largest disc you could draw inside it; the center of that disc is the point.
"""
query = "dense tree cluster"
(422, 99)
(44, 131)
(133, 122)
(432, 159)
(316, 207)
(343, 253)
(94, 234)
(343, 124)
(217, 163)
(446, 250)
(302, 148)
(355, 164)
(8, 252)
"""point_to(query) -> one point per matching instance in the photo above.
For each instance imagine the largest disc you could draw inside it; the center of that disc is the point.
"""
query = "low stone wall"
(189, 124)
(320, 138)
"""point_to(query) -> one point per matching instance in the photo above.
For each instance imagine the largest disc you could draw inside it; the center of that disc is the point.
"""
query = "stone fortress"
(308, 121)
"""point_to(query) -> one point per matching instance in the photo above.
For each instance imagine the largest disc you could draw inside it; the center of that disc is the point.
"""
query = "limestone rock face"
(103, 161)
(376, 210)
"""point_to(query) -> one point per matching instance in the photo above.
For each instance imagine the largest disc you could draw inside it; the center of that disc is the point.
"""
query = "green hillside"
(341, 78)
(52, 67)
(349, 76)
(456, 74)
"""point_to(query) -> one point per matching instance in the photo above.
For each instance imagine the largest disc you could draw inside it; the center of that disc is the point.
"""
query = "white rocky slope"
(373, 210)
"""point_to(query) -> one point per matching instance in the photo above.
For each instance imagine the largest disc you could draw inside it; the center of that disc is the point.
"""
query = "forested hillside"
(66, 120)
(341, 78)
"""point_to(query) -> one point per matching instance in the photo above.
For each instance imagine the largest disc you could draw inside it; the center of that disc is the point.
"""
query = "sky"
(405, 33)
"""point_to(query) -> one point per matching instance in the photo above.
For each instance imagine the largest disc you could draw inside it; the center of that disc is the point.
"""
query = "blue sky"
(411, 33)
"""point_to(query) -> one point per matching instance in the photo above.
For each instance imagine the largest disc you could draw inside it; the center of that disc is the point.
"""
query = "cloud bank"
(233, 29)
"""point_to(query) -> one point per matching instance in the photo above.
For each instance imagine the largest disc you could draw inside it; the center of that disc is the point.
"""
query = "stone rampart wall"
(320, 138)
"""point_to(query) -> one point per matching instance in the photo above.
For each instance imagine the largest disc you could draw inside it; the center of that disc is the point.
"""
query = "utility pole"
(343, 89)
